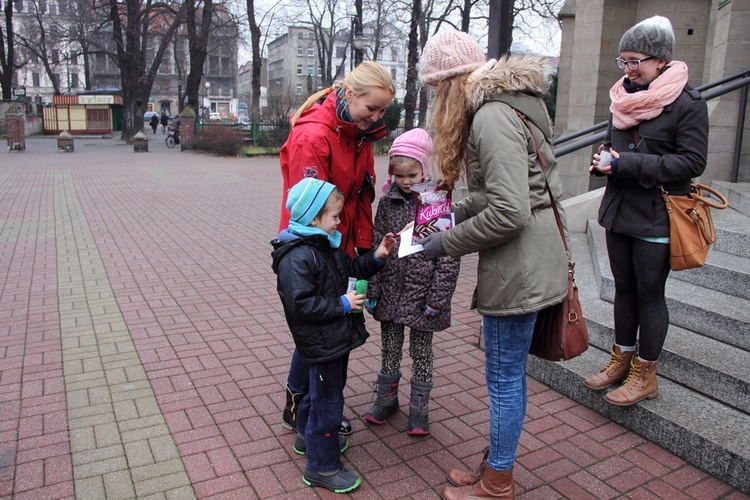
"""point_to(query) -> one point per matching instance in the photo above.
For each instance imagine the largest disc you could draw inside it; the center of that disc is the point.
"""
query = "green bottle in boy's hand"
(361, 287)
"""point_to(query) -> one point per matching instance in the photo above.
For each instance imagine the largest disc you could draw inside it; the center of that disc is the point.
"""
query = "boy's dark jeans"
(320, 414)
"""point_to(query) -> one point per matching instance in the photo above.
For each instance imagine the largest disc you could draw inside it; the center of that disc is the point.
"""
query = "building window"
(56, 80)
(341, 51)
(394, 54)
(225, 63)
(35, 79)
(73, 59)
(299, 89)
(299, 70)
(299, 50)
(393, 73)
(74, 81)
(310, 51)
(310, 69)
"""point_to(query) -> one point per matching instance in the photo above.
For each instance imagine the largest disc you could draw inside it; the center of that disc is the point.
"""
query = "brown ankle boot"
(493, 484)
(466, 477)
(641, 384)
(615, 371)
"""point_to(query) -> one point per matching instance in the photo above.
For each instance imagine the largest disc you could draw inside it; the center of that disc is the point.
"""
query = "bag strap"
(543, 162)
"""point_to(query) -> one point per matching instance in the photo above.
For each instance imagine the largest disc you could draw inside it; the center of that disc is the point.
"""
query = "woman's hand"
(606, 169)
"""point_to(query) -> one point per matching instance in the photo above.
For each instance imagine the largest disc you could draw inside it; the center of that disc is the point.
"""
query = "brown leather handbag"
(691, 228)
(560, 332)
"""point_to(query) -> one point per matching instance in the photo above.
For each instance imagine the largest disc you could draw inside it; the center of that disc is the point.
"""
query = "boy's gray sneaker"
(343, 481)
(300, 446)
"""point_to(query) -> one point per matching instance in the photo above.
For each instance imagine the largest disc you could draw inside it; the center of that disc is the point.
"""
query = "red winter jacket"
(323, 146)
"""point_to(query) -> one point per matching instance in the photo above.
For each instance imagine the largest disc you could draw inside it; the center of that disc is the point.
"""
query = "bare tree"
(84, 24)
(7, 52)
(40, 37)
(326, 26)
(198, 18)
(255, 37)
(412, 73)
(136, 28)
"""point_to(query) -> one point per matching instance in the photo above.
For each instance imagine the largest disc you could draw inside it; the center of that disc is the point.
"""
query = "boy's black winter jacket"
(311, 277)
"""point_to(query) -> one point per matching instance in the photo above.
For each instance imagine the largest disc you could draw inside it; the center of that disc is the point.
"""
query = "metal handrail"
(739, 80)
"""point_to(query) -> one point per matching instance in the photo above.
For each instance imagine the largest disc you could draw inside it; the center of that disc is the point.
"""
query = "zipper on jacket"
(338, 134)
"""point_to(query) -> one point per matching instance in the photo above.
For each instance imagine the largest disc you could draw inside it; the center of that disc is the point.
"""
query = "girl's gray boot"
(419, 408)
(386, 401)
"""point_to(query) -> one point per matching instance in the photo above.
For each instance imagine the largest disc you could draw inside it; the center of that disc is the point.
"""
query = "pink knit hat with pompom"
(415, 144)
(450, 53)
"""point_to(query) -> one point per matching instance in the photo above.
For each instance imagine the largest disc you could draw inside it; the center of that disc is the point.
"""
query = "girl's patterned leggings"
(420, 350)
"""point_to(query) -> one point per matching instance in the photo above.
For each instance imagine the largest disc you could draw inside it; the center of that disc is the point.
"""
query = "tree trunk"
(410, 99)
(255, 36)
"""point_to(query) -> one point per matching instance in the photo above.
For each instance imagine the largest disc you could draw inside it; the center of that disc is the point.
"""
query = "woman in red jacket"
(331, 140)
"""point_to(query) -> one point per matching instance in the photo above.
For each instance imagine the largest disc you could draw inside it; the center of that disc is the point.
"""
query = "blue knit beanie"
(307, 198)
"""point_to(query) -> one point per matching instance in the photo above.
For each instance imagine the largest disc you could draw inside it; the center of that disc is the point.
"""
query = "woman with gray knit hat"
(490, 121)
(657, 139)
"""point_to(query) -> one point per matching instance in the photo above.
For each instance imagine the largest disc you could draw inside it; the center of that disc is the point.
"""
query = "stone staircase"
(702, 413)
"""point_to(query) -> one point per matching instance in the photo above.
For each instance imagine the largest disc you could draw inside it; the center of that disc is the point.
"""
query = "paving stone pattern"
(143, 351)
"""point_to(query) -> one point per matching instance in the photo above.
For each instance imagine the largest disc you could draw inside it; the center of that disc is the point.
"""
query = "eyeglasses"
(632, 64)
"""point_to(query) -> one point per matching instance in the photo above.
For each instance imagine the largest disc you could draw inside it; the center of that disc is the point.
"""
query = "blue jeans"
(298, 379)
(506, 345)
(320, 414)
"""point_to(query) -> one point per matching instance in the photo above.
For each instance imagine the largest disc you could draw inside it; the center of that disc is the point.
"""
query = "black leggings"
(640, 269)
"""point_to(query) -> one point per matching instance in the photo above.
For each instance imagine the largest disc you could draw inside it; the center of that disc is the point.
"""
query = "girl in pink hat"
(414, 291)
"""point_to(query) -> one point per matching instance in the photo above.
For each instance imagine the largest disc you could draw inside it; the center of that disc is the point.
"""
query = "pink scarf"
(629, 110)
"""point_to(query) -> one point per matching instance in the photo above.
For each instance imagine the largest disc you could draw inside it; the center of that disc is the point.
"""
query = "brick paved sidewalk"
(143, 351)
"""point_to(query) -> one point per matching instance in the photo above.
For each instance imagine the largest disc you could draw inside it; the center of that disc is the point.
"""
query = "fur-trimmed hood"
(518, 77)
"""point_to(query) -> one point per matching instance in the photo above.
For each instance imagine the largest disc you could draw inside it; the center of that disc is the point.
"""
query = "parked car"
(214, 116)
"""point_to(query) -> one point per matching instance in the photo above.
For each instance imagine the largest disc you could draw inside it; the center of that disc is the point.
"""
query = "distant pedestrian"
(164, 122)
(154, 122)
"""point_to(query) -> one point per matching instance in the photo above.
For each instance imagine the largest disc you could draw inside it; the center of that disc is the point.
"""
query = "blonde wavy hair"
(360, 81)
(451, 119)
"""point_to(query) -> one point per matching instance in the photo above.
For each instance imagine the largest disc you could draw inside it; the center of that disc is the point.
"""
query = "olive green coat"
(507, 216)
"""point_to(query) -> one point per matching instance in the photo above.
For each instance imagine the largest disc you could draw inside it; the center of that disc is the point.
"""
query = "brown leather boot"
(466, 477)
(616, 370)
(641, 384)
(493, 484)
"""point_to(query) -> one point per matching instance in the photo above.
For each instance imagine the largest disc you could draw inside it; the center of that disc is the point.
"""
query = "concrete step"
(710, 435)
(737, 193)
(723, 271)
(715, 314)
(701, 413)
(714, 368)
(732, 232)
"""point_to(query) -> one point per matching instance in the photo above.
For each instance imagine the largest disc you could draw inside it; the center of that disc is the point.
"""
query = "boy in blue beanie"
(312, 280)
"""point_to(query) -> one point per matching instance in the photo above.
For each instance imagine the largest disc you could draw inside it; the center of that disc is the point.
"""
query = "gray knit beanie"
(652, 36)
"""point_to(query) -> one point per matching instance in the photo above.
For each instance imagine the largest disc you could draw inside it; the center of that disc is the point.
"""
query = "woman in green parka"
(507, 218)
